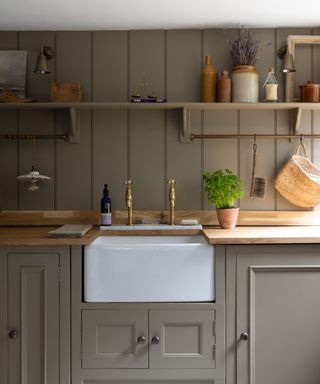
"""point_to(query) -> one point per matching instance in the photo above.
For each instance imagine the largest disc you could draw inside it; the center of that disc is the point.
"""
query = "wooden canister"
(208, 82)
(224, 88)
(310, 92)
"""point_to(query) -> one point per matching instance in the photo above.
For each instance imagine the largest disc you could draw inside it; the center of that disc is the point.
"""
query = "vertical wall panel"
(42, 123)
(38, 86)
(110, 66)
(220, 153)
(147, 128)
(110, 75)
(110, 156)
(147, 159)
(8, 149)
(184, 162)
(37, 122)
(183, 65)
(253, 122)
(73, 161)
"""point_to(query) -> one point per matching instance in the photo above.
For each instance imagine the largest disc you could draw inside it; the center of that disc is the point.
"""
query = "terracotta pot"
(227, 217)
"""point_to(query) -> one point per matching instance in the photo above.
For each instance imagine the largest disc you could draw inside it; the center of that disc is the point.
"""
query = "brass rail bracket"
(74, 129)
(185, 126)
(294, 120)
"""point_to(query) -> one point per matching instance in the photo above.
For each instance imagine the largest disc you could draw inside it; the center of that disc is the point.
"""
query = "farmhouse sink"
(149, 269)
(146, 227)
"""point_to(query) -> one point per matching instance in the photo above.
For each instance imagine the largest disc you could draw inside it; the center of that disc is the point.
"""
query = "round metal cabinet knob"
(244, 336)
(141, 339)
(155, 340)
(13, 333)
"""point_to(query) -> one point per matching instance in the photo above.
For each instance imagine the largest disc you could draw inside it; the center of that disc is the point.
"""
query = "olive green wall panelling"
(39, 122)
(73, 161)
(256, 122)
(38, 88)
(109, 146)
(8, 149)
(146, 136)
(316, 114)
(183, 66)
(219, 153)
(286, 149)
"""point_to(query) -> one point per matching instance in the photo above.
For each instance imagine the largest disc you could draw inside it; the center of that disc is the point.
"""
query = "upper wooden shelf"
(74, 109)
(160, 106)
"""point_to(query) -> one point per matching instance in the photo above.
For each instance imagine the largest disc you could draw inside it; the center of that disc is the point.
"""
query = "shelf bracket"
(295, 120)
(185, 126)
(74, 130)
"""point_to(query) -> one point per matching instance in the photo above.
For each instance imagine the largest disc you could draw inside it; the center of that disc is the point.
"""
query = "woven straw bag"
(299, 180)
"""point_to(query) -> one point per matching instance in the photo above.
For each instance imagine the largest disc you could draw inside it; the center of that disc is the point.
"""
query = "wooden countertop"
(20, 236)
(264, 235)
(39, 236)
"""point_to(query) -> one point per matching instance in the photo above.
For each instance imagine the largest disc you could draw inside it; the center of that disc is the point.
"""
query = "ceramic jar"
(224, 88)
(208, 81)
(245, 84)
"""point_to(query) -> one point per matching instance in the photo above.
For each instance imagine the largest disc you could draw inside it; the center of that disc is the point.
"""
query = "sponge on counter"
(189, 222)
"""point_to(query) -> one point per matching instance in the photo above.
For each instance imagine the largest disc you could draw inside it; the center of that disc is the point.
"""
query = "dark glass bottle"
(106, 207)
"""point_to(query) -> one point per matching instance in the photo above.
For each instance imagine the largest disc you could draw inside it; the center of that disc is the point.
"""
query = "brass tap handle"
(172, 191)
(172, 200)
(129, 200)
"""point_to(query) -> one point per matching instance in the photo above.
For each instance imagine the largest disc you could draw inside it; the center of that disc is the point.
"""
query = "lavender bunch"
(244, 49)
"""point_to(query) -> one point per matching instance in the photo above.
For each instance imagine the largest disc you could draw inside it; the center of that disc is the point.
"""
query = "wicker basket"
(299, 180)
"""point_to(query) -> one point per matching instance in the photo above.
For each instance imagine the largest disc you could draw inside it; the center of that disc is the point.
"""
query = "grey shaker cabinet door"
(33, 311)
(182, 339)
(110, 339)
(278, 305)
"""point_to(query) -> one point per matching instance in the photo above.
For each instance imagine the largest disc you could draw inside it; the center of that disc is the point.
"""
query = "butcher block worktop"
(264, 235)
(255, 227)
(26, 235)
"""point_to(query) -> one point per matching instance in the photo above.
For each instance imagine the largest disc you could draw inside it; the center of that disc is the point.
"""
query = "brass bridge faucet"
(172, 200)
(129, 200)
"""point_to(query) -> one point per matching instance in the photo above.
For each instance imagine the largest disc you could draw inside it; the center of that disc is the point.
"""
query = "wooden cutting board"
(70, 230)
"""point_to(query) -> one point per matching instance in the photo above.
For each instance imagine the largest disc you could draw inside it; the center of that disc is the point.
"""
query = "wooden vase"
(227, 217)
(208, 82)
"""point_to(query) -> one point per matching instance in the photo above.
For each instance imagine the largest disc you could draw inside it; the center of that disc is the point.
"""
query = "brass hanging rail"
(27, 136)
(252, 136)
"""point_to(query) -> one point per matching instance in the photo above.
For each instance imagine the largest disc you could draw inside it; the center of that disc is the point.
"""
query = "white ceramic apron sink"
(149, 269)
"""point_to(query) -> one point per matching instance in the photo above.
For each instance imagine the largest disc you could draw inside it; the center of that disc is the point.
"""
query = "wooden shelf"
(74, 109)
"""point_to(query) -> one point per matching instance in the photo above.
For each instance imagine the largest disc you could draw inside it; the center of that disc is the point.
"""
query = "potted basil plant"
(224, 189)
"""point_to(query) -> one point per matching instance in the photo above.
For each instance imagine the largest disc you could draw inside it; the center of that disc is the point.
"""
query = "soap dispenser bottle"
(106, 218)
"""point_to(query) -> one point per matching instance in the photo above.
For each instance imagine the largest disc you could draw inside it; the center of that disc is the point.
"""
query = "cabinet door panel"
(110, 339)
(278, 305)
(186, 339)
(34, 312)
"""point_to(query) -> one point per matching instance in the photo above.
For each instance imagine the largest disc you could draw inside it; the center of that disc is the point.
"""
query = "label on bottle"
(105, 218)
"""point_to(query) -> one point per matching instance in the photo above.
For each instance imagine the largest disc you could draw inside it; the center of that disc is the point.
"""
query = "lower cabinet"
(273, 292)
(34, 309)
(148, 339)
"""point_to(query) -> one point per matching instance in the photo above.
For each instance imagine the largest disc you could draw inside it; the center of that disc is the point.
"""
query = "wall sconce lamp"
(288, 62)
(286, 53)
(41, 67)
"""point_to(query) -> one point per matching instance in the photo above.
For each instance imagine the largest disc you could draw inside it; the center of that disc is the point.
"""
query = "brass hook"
(301, 138)
(255, 143)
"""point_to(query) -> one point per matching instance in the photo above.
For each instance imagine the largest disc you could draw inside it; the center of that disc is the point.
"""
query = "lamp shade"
(41, 66)
(288, 63)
